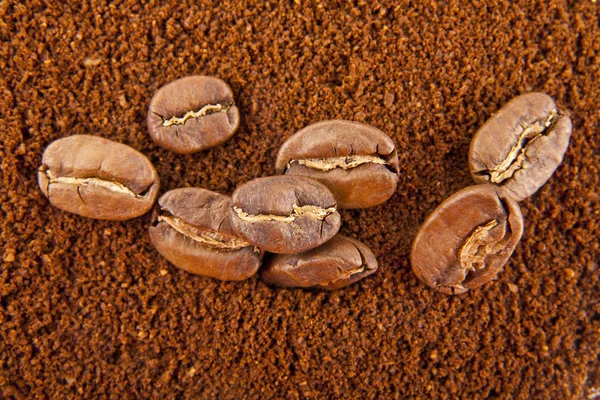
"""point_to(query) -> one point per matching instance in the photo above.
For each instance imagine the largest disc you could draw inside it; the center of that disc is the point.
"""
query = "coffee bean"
(193, 231)
(333, 265)
(97, 178)
(193, 114)
(520, 147)
(285, 214)
(466, 241)
(356, 161)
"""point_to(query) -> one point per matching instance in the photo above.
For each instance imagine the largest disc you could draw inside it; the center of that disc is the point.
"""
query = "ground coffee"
(89, 309)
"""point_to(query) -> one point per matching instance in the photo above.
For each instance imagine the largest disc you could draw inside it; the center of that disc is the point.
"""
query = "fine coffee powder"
(89, 309)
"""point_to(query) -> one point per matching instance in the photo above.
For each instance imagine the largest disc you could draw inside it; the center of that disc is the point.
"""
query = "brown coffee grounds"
(88, 309)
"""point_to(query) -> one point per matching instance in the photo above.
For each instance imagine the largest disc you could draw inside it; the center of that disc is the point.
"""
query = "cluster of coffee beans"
(326, 166)
(467, 240)
(323, 167)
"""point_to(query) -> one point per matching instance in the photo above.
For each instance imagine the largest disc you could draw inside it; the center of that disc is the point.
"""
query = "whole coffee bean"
(467, 240)
(193, 231)
(357, 162)
(520, 147)
(284, 214)
(193, 114)
(335, 264)
(97, 178)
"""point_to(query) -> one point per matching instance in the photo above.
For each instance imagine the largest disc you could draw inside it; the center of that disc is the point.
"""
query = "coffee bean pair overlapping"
(466, 241)
(463, 244)
(324, 167)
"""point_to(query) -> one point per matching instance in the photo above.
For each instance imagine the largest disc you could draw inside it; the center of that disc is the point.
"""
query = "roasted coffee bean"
(520, 146)
(193, 114)
(193, 231)
(97, 178)
(335, 264)
(357, 162)
(467, 240)
(285, 214)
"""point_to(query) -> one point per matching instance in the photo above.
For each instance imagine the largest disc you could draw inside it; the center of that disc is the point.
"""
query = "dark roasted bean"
(356, 161)
(467, 239)
(193, 231)
(97, 178)
(333, 265)
(520, 146)
(193, 114)
(285, 214)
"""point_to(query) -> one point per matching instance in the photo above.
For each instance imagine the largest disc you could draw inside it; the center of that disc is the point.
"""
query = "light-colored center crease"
(204, 111)
(345, 274)
(347, 162)
(115, 187)
(207, 238)
(477, 247)
(516, 156)
(354, 271)
(314, 212)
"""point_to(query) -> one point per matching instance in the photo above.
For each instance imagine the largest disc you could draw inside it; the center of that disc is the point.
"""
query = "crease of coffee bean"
(345, 162)
(202, 112)
(345, 274)
(478, 246)
(315, 212)
(205, 237)
(363, 263)
(471, 253)
(518, 153)
(113, 186)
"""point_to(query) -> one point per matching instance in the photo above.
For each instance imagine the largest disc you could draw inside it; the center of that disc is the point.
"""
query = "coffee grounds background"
(88, 309)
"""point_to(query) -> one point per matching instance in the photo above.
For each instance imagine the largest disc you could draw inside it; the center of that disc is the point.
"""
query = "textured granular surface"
(88, 309)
